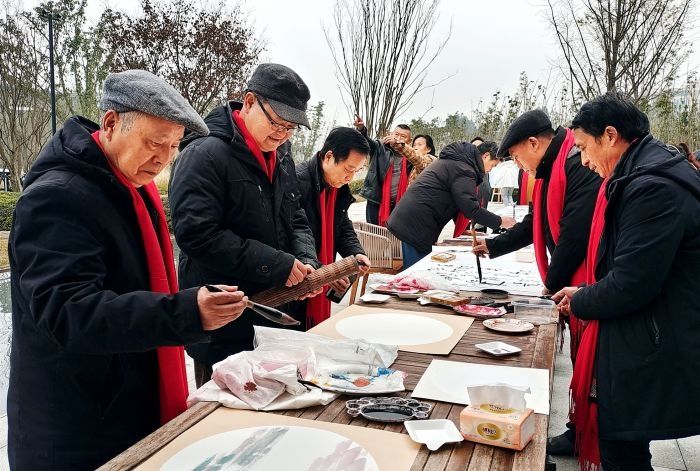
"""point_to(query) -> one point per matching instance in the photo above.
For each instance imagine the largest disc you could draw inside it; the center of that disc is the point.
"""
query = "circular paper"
(264, 448)
(394, 329)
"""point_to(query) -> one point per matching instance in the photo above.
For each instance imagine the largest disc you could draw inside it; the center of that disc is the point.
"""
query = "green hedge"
(356, 186)
(8, 200)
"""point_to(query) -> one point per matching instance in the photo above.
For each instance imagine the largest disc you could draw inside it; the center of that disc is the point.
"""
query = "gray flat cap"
(138, 90)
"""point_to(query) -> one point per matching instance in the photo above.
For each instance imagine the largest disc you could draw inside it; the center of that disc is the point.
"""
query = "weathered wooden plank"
(142, 450)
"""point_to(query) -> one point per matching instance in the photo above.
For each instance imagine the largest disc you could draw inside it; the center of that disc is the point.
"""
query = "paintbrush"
(269, 313)
(478, 261)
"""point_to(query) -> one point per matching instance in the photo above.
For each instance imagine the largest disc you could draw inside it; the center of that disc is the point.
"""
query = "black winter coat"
(311, 183)
(235, 227)
(380, 157)
(647, 298)
(443, 190)
(83, 378)
(582, 187)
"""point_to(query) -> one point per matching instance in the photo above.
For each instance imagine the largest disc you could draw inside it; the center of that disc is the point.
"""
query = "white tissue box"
(497, 426)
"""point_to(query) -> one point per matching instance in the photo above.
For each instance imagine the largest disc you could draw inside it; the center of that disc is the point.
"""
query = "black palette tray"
(388, 409)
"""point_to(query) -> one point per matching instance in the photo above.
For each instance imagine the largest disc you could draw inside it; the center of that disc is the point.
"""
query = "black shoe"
(560, 446)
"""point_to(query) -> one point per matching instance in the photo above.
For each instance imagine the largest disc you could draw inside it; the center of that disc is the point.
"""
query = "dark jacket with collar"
(83, 367)
(233, 226)
(380, 157)
(574, 226)
(444, 189)
(311, 183)
(647, 298)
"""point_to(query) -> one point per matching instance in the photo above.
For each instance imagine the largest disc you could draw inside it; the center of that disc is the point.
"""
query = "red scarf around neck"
(267, 163)
(318, 308)
(172, 376)
(556, 192)
(385, 205)
(524, 178)
(584, 412)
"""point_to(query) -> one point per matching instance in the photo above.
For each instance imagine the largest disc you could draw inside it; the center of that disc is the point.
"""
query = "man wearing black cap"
(96, 312)
(563, 201)
(235, 204)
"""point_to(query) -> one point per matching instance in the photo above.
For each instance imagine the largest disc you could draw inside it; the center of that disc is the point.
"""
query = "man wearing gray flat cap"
(97, 317)
(235, 204)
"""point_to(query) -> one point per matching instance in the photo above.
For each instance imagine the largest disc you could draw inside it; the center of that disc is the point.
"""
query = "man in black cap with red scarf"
(563, 201)
(235, 204)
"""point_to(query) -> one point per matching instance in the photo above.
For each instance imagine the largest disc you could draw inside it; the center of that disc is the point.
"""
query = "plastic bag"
(423, 280)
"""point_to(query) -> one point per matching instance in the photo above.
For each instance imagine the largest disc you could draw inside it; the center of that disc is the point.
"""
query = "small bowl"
(374, 298)
(433, 433)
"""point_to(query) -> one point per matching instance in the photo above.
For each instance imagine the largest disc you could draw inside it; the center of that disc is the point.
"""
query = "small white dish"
(433, 433)
(374, 298)
(498, 348)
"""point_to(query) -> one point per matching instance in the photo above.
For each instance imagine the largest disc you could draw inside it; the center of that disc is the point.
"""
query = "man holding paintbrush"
(564, 198)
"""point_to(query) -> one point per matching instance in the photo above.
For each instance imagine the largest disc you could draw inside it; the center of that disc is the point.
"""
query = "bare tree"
(205, 53)
(633, 46)
(382, 55)
(24, 105)
(82, 58)
(305, 143)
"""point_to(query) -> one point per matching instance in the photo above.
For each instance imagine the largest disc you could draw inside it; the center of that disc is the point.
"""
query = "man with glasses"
(235, 204)
(326, 197)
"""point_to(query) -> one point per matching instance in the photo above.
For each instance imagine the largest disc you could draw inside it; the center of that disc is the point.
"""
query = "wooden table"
(538, 349)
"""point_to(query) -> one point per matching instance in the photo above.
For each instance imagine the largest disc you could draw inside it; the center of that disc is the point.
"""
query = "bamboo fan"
(277, 296)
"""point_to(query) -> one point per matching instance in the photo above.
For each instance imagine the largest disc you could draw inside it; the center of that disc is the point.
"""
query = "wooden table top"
(538, 350)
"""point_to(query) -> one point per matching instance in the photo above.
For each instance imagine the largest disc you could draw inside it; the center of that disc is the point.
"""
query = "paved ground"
(681, 454)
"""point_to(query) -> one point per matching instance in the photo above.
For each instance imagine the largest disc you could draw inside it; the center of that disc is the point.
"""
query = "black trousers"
(625, 456)
(202, 373)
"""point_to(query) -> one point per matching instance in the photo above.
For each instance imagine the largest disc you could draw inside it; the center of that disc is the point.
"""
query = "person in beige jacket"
(421, 154)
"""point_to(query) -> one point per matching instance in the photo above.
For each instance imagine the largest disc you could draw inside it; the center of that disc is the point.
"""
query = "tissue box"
(497, 426)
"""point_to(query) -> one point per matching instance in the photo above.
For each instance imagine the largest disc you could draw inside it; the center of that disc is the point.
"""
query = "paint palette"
(498, 349)
(388, 409)
(480, 312)
(508, 325)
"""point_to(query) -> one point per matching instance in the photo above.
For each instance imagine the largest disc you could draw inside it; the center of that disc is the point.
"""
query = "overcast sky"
(492, 42)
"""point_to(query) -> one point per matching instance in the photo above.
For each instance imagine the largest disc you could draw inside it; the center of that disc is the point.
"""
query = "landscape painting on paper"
(262, 448)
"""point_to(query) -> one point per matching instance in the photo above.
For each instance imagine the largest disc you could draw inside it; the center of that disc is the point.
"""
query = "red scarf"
(267, 163)
(318, 308)
(556, 193)
(385, 205)
(172, 376)
(462, 222)
(584, 412)
(523, 188)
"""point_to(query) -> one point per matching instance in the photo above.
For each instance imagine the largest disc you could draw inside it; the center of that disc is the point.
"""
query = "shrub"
(8, 200)
(356, 186)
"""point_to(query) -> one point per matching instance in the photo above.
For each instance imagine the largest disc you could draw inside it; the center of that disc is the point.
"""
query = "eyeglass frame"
(277, 127)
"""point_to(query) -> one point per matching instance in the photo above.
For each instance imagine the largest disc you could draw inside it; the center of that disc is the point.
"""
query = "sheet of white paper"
(518, 278)
(520, 211)
(447, 381)
(394, 329)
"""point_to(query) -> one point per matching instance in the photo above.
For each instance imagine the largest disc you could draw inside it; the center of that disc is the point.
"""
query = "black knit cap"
(284, 90)
(526, 125)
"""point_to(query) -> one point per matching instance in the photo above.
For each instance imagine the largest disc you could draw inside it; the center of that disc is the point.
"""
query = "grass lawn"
(4, 259)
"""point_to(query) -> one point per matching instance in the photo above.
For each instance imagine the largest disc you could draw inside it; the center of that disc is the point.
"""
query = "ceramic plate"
(508, 325)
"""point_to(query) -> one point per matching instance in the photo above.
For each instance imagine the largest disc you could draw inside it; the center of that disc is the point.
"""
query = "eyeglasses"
(277, 127)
